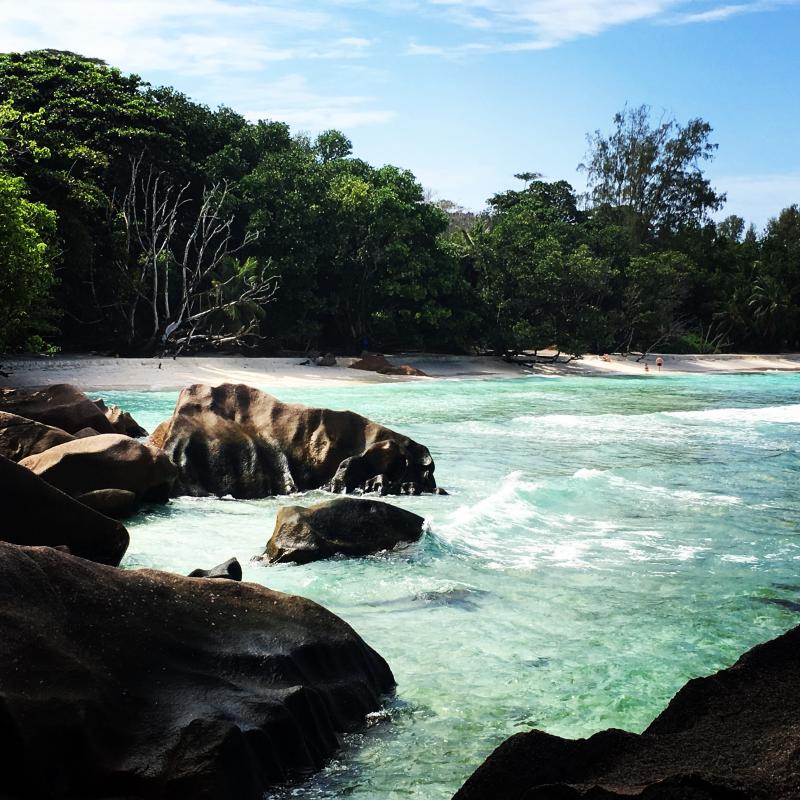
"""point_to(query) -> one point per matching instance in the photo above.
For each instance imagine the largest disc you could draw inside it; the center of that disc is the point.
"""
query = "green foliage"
(26, 228)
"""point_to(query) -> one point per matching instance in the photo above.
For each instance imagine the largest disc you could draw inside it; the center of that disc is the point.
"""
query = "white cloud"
(290, 99)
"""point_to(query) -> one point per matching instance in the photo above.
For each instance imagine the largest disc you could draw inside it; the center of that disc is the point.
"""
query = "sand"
(92, 373)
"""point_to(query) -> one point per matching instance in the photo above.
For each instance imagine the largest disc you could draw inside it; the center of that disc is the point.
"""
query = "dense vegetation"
(134, 220)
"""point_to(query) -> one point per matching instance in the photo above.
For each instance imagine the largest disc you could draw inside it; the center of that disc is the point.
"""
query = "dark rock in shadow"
(21, 437)
(230, 570)
(235, 440)
(116, 503)
(731, 736)
(62, 406)
(344, 526)
(121, 421)
(36, 513)
(143, 684)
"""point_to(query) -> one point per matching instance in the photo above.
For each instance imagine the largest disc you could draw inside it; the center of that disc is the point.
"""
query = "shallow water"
(605, 540)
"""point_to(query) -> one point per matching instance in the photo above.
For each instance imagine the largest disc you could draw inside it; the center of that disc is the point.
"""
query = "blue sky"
(465, 93)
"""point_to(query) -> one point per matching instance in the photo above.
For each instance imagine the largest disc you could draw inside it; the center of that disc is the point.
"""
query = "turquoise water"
(605, 540)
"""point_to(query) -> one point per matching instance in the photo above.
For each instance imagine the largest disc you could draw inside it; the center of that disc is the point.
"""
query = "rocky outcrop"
(36, 513)
(731, 736)
(344, 526)
(62, 406)
(230, 570)
(235, 440)
(376, 362)
(21, 437)
(121, 421)
(142, 684)
(106, 461)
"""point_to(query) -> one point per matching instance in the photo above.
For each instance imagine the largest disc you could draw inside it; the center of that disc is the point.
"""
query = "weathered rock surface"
(142, 684)
(116, 503)
(36, 513)
(21, 437)
(732, 736)
(121, 421)
(230, 570)
(62, 406)
(377, 362)
(233, 439)
(344, 526)
(106, 461)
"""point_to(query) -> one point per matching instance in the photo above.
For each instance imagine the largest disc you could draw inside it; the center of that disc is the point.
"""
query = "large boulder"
(143, 684)
(377, 362)
(121, 421)
(62, 406)
(106, 461)
(731, 736)
(36, 513)
(21, 437)
(344, 526)
(235, 440)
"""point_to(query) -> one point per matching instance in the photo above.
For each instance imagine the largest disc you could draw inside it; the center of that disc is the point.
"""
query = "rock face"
(21, 437)
(142, 684)
(376, 362)
(731, 736)
(233, 439)
(36, 513)
(62, 406)
(344, 526)
(230, 570)
(106, 461)
(121, 421)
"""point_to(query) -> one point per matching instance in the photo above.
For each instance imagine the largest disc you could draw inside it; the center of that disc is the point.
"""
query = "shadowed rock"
(233, 439)
(36, 513)
(230, 570)
(62, 406)
(121, 421)
(106, 461)
(731, 736)
(142, 684)
(21, 437)
(344, 526)
(376, 362)
(116, 503)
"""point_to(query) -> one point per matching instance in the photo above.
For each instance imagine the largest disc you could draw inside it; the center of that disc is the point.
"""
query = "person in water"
(659, 363)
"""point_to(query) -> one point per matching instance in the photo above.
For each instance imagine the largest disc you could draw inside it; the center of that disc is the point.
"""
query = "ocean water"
(604, 540)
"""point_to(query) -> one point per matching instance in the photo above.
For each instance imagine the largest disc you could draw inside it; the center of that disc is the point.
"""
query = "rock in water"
(106, 461)
(731, 736)
(21, 437)
(62, 406)
(121, 421)
(344, 526)
(235, 440)
(116, 503)
(36, 513)
(142, 684)
(230, 569)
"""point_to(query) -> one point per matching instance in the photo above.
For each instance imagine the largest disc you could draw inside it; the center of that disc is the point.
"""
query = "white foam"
(777, 414)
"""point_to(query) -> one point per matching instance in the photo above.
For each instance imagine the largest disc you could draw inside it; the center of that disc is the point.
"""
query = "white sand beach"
(95, 372)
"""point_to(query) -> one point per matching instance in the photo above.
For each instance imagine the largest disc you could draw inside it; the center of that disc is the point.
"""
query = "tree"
(26, 231)
(651, 174)
(180, 270)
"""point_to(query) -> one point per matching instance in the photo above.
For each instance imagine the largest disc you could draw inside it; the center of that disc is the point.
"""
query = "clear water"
(605, 540)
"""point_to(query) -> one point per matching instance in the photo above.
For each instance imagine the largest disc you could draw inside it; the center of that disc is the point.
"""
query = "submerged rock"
(344, 526)
(106, 461)
(377, 362)
(731, 736)
(36, 513)
(230, 569)
(121, 421)
(21, 437)
(142, 684)
(235, 440)
(62, 406)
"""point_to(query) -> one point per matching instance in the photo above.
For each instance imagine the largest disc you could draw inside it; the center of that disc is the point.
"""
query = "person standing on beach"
(659, 363)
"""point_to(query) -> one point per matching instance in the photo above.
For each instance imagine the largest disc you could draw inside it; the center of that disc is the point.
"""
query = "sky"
(466, 93)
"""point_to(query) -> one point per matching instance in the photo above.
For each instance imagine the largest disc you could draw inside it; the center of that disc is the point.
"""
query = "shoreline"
(93, 373)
